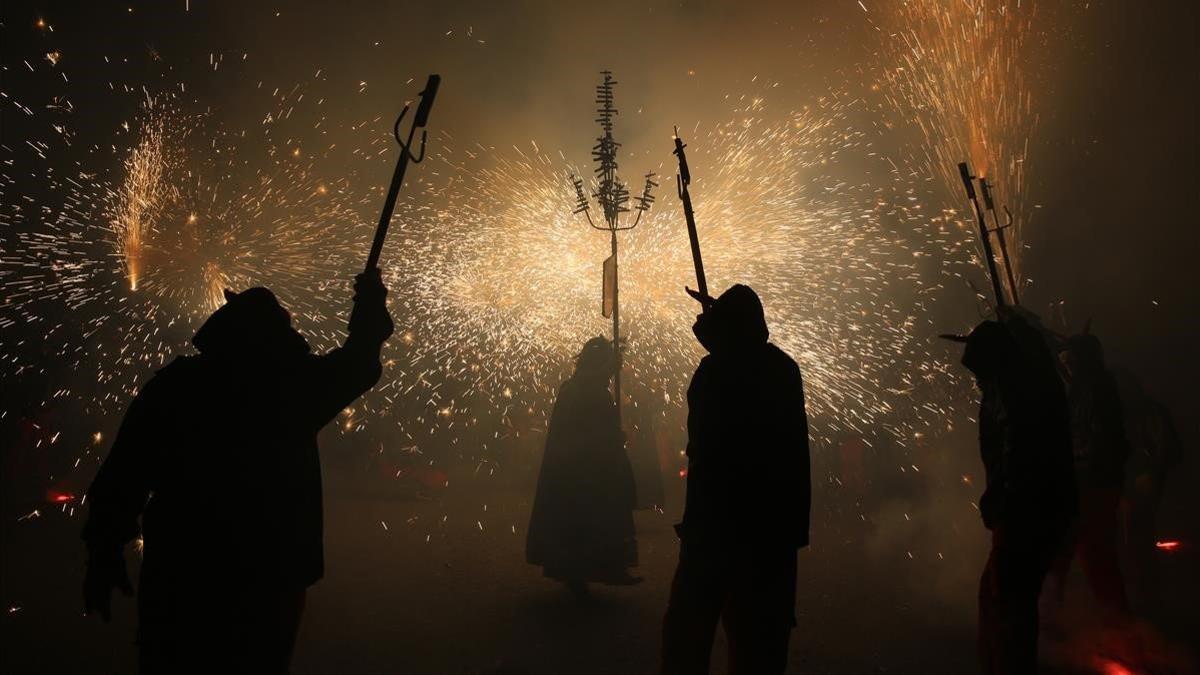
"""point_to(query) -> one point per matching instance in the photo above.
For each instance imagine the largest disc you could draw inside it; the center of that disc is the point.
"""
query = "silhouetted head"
(1083, 356)
(990, 349)
(733, 321)
(251, 324)
(596, 359)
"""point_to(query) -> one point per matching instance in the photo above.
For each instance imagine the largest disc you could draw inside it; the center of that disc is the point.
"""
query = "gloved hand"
(370, 319)
(105, 571)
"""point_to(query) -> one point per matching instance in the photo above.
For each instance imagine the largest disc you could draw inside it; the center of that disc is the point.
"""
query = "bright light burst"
(205, 219)
(509, 280)
(124, 261)
(495, 285)
(140, 199)
(959, 71)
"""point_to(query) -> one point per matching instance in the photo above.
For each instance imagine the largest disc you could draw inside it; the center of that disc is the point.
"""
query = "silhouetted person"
(1030, 498)
(581, 527)
(1155, 448)
(1101, 451)
(217, 456)
(748, 497)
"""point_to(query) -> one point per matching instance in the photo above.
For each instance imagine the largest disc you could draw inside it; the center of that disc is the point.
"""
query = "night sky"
(819, 179)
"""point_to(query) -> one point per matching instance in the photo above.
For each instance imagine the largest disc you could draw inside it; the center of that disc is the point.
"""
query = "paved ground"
(443, 589)
(470, 604)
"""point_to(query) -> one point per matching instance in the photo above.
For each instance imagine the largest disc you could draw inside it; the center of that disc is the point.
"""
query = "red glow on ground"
(1112, 668)
(683, 473)
(60, 497)
(1166, 545)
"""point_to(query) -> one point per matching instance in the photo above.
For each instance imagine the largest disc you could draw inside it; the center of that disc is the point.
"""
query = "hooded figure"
(216, 469)
(581, 527)
(1097, 419)
(1155, 449)
(1101, 451)
(748, 496)
(1030, 498)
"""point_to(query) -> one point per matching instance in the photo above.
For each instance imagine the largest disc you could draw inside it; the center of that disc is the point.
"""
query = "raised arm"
(344, 374)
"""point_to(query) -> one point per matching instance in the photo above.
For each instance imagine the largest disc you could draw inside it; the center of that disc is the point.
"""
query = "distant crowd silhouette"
(218, 453)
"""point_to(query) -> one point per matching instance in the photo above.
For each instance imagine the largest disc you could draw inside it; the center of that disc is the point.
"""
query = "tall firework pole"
(614, 199)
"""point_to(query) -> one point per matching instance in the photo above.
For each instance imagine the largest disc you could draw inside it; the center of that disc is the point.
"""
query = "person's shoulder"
(571, 387)
(181, 374)
(181, 367)
(782, 359)
(707, 364)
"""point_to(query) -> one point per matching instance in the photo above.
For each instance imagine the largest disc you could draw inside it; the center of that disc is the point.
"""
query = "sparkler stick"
(389, 204)
(682, 180)
(984, 233)
(986, 188)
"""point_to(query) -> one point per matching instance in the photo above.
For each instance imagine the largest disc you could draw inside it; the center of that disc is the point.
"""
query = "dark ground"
(465, 602)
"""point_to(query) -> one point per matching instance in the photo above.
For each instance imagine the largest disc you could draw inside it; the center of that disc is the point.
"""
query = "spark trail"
(494, 285)
(511, 300)
(960, 73)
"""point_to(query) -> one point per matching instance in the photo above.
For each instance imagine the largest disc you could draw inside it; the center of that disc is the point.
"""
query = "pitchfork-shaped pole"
(389, 204)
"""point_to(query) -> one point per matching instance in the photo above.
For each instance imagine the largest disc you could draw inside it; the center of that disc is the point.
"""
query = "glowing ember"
(1109, 667)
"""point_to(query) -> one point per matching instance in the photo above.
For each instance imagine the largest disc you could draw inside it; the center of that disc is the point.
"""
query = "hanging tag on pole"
(609, 287)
